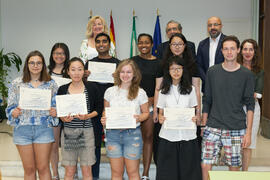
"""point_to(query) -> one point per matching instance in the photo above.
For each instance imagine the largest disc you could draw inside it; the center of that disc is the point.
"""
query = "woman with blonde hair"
(124, 146)
(96, 25)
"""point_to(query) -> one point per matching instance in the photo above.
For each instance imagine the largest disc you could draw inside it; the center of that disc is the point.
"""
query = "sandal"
(145, 178)
(56, 178)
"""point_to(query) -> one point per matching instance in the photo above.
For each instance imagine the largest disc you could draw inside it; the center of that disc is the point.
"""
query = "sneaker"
(145, 178)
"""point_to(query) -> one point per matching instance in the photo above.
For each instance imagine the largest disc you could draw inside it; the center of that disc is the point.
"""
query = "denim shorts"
(30, 134)
(125, 143)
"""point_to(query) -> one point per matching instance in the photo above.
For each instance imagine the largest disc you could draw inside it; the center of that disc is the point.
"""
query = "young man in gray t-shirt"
(229, 86)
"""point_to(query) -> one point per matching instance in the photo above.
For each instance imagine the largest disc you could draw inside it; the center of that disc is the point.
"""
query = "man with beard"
(209, 50)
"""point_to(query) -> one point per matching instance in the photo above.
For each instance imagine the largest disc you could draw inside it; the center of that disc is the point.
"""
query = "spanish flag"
(112, 34)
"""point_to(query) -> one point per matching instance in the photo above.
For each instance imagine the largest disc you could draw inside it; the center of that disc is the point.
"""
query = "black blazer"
(203, 57)
(95, 105)
(163, 46)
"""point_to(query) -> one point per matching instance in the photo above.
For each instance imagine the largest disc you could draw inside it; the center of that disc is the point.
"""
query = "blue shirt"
(30, 117)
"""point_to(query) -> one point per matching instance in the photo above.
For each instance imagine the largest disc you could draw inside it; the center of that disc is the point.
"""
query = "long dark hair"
(44, 76)
(186, 55)
(52, 62)
(256, 63)
(185, 85)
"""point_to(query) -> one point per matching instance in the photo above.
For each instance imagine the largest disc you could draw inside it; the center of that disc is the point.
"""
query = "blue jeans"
(29, 134)
(125, 143)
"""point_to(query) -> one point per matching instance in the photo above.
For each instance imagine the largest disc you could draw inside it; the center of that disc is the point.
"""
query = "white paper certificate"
(71, 104)
(179, 118)
(101, 72)
(61, 81)
(120, 117)
(35, 99)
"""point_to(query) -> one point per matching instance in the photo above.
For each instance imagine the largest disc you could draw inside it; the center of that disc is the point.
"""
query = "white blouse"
(174, 99)
(117, 97)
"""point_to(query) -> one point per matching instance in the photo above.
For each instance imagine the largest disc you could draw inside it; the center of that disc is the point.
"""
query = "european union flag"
(157, 37)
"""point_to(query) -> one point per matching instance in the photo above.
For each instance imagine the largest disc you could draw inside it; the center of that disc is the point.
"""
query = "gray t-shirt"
(225, 95)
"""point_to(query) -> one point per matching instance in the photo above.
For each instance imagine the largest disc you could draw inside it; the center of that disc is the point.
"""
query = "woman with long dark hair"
(58, 62)
(250, 58)
(178, 150)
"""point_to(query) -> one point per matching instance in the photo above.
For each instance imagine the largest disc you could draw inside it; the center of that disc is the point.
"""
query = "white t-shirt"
(117, 97)
(87, 52)
(174, 99)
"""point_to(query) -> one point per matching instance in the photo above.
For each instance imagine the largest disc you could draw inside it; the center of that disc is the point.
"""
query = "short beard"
(214, 36)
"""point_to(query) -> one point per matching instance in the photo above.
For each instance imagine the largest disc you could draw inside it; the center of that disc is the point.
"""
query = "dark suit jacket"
(163, 46)
(203, 57)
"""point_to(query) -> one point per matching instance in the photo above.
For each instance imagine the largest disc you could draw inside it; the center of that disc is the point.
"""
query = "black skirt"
(178, 160)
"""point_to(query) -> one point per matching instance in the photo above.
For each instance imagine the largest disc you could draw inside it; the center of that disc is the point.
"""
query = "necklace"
(35, 80)
(176, 99)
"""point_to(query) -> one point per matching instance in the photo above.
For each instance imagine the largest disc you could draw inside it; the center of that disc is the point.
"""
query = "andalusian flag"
(157, 37)
(133, 46)
(112, 34)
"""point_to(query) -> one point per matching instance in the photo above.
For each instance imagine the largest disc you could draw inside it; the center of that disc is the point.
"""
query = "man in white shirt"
(209, 50)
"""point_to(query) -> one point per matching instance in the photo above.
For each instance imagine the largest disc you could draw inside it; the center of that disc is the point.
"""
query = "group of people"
(232, 82)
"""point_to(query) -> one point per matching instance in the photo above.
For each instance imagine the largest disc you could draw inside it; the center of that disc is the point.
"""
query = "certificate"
(35, 99)
(179, 118)
(101, 72)
(120, 117)
(71, 104)
(61, 81)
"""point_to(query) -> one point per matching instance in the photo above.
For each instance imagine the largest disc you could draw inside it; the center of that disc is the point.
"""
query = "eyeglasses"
(172, 29)
(214, 24)
(32, 63)
(59, 54)
(176, 69)
(175, 45)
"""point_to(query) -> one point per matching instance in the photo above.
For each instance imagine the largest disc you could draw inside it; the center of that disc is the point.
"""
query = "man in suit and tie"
(172, 28)
(209, 50)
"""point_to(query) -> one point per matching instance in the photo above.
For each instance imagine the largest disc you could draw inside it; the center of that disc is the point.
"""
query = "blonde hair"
(135, 83)
(89, 31)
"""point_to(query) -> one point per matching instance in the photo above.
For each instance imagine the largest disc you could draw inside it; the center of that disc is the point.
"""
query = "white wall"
(38, 24)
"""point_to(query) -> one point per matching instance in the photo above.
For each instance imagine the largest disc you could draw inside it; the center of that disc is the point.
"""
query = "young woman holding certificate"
(57, 68)
(79, 131)
(178, 150)
(33, 134)
(124, 145)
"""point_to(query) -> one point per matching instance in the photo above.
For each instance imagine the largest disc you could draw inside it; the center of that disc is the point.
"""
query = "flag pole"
(90, 13)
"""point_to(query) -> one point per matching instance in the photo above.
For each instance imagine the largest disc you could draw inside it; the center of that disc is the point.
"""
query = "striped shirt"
(77, 123)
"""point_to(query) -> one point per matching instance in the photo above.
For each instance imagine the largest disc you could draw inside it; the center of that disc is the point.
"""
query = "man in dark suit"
(209, 50)
(172, 28)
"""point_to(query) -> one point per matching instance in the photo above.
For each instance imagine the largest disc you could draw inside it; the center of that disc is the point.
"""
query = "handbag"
(74, 141)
